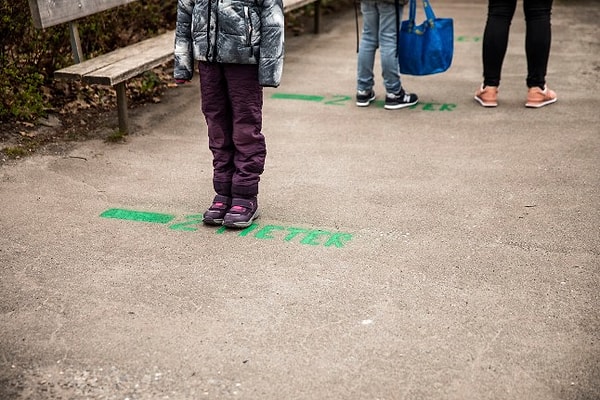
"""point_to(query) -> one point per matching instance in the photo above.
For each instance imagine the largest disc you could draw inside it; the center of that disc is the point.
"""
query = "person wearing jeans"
(538, 39)
(381, 21)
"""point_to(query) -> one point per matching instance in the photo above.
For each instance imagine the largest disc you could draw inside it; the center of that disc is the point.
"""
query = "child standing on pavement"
(381, 21)
(239, 46)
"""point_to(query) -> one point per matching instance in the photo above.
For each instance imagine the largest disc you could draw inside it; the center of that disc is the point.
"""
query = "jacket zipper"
(249, 27)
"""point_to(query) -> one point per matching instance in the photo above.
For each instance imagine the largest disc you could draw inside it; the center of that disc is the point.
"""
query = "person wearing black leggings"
(538, 38)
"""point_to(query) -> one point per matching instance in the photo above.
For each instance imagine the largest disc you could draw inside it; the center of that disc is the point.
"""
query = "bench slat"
(47, 13)
(126, 69)
(289, 5)
(124, 63)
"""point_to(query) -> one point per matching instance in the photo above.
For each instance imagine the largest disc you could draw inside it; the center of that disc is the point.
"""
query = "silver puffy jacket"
(230, 31)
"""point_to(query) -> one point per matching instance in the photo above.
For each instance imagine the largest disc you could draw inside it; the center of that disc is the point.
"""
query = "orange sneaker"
(487, 96)
(537, 97)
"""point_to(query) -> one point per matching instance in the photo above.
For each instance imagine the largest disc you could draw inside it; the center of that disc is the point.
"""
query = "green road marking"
(338, 100)
(436, 106)
(290, 96)
(191, 222)
(311, 237)
(338, 239)
(447, 107)
(139, 216)
(469, 38)
(267, 231)
(188, 225)
(341, 100)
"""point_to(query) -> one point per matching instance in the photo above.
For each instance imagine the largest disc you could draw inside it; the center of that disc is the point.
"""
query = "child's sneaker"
(537, 97)
(217, 210)
(242, 213)
(365, 97)
(487, 96)
(394, 101)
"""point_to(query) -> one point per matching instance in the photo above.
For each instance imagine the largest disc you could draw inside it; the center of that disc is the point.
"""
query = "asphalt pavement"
(444, 251)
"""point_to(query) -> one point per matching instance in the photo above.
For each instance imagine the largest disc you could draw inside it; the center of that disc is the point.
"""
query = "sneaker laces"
(400, 94)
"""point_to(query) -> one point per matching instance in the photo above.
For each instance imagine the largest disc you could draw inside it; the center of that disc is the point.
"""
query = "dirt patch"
(52, 135)
(81, 112)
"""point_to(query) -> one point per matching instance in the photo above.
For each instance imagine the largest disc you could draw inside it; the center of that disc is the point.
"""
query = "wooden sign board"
(47, 13)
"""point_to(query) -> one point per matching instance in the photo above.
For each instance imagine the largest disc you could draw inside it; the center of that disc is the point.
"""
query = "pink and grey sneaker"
(242, 213)
(487, 96)
(217, 210)
(537, 97)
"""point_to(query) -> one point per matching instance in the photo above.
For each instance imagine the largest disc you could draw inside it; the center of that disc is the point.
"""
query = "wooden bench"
(291, 5)
(112, 69)
(117, 67)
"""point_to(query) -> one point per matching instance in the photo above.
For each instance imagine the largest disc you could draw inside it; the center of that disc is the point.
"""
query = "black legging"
(538, 37)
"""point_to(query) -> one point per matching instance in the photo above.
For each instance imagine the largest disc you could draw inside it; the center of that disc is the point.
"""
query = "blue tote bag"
(428, 48)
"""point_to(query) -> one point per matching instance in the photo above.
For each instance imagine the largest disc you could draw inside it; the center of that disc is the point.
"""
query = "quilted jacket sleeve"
(184, 45)
(271, 43)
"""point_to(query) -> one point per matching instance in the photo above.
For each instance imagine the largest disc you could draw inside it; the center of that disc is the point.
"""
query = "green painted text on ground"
(191, 222)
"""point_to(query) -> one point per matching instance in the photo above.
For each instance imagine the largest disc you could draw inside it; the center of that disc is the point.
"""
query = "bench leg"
(76, 43)
(317, 16)
(122, 107)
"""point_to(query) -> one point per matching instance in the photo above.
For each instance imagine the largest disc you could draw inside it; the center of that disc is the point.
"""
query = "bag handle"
(429, 14)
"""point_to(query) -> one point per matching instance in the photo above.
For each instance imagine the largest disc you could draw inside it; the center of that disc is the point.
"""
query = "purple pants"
(232, 103)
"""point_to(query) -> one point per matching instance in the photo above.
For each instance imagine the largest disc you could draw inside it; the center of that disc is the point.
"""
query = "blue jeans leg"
(379, 31)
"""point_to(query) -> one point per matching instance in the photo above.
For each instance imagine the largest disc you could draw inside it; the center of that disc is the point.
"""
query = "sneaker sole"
(542, 104)
(485, 104)
(399, 106)
(210, 221)
(243, 224)
(365, 103)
